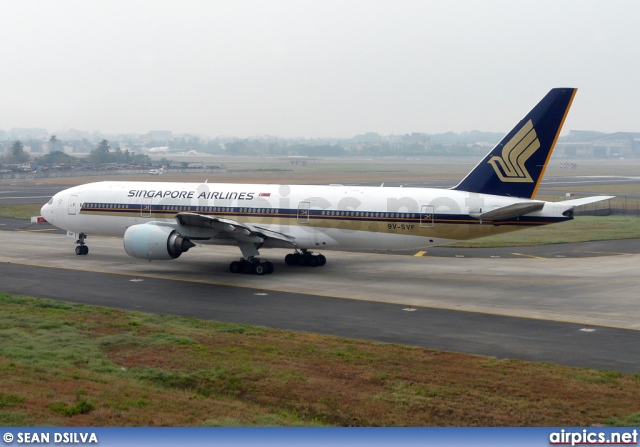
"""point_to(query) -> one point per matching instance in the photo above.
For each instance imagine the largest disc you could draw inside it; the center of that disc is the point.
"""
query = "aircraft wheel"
(300, 260)
(247, 267)
(321, 260)
(269, 267)
(289, 259)
(235, 267)
(85, 250)
(79, 250)
(313, 261)
(259, 268)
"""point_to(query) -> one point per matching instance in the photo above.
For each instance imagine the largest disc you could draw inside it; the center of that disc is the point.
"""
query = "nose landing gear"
(81, 249)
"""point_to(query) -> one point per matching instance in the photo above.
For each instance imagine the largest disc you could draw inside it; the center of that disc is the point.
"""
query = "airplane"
(161, 221)
(158, 150)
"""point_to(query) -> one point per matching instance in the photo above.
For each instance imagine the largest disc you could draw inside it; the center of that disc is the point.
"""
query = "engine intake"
(153, 242)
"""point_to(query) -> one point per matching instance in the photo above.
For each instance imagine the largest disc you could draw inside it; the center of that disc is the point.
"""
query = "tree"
(53, 141)
(103, 147)
(100, 154)
(58, 158)
(17, 153)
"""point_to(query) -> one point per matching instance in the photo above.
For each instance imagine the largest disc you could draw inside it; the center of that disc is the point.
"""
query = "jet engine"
(154, 242)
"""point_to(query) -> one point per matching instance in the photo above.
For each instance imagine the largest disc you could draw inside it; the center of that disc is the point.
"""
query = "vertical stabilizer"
(516, 165)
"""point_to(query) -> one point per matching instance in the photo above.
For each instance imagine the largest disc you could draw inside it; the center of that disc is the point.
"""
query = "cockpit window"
(50, 201)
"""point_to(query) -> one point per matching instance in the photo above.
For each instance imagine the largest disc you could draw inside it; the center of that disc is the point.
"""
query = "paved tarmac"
(527, 308)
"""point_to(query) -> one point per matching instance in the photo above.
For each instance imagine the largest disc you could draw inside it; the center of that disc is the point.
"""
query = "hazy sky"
(318, 68)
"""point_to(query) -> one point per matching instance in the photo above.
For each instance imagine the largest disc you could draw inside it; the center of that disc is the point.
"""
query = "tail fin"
(516, 165)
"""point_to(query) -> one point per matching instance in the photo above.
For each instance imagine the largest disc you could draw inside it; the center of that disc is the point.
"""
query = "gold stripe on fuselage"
(442, 228)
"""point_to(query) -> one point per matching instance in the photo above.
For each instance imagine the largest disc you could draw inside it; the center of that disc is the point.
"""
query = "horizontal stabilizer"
(585, 200)
(509, 211)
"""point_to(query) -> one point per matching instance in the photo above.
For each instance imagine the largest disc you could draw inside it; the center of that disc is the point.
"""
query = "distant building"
(29, 166)
(590, 144)
(421, 139)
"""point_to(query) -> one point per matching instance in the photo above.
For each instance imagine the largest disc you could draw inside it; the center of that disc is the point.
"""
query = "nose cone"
(47, 212)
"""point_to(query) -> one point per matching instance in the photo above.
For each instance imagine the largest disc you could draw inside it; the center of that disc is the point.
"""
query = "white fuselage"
(314, 217)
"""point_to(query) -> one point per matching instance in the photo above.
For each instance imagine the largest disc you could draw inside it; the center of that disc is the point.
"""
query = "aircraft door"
(426, 216)
(145, 208)
(72, 209)
(303, 212)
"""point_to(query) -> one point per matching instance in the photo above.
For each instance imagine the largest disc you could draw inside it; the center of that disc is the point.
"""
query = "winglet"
(516, 165)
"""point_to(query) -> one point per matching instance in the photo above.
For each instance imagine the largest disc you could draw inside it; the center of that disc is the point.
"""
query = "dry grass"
(127, 369)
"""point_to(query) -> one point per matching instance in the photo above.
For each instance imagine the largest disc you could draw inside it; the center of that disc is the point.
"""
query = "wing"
(243, 232)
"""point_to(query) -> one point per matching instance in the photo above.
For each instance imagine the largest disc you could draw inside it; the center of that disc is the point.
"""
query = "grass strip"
(580, 229)
(72, 364)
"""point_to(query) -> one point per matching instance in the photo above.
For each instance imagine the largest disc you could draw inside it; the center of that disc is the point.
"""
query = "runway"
(21, 193)
(531, 308)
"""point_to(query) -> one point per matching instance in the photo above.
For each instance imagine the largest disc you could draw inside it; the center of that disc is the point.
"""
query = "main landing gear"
(251, 266)
(305, 258)
(81, 249)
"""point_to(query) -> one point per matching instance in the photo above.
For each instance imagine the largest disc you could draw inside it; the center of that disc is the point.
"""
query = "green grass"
(632, 420)
(20, 211)
(80, 407)
(580, 229)
(72, 364)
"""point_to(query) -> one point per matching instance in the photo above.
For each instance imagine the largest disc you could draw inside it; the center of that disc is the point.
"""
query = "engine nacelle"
(154, 242)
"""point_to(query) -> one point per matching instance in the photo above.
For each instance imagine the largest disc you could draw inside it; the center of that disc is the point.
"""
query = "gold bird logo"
(510, 167)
